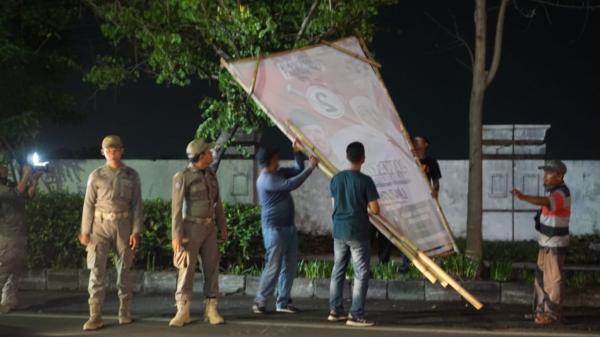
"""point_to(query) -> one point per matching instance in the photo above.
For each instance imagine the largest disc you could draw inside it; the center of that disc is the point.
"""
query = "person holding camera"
(13, 231)
(112, 219)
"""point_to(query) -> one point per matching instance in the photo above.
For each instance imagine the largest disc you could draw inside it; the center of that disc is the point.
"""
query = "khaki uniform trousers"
(110, 235)
(549, 284)
(201, 237)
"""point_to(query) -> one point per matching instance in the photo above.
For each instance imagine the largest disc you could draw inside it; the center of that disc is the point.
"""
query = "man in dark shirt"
(431, 168)
(274, 186)
(429, 165)
(353, 194)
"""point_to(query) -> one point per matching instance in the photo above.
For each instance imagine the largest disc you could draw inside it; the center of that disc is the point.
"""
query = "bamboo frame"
(350, 53)
(420, 260)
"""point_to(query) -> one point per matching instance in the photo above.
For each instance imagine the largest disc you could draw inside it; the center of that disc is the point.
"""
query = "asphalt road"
(63, 314)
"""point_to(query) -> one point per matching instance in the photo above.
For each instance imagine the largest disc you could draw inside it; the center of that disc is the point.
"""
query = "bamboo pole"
(406, 250)
(448, 279)
(255, 75)
(351, 53)
(313, 148)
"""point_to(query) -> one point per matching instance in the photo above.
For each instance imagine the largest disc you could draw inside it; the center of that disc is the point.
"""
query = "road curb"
(412, 290)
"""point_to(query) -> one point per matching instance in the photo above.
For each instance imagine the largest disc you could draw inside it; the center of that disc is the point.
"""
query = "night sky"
(549, 74)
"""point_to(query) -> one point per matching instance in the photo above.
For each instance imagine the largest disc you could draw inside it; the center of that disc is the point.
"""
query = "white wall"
(313, 205)
(235, 177)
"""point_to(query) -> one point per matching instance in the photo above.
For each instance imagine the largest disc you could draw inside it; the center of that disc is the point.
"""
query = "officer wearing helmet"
(112, 219)
(196, 212)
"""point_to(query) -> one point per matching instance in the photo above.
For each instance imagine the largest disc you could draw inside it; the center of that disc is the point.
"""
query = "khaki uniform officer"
(196, 212)
(112, 219)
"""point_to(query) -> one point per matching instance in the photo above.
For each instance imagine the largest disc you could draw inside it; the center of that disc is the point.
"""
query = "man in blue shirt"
(353, 195)
(274, 186)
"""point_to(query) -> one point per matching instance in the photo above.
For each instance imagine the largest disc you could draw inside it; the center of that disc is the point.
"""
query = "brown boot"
(4, 309)
(542, 319)
(182, 316)
(125, 312)
(95, 321)
(211, 314)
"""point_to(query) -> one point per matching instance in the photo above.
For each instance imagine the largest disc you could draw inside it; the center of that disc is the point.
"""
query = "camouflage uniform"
(13, 242)
(112, 211)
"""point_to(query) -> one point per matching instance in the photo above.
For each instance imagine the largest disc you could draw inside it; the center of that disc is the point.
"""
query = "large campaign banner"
(335, 97)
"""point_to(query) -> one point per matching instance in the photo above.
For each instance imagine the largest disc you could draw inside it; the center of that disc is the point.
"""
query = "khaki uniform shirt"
(195, 198)
(12, 212)
(110, 190)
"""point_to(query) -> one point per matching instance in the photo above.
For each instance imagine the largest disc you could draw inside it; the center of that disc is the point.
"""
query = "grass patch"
(501, 271)
(315, 269)
(460, 266)
(386, 271)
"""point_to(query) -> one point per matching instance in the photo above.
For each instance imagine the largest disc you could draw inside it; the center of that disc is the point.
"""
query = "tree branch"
(305, 21)
(521, 11)
(497, 44)
(456, 35)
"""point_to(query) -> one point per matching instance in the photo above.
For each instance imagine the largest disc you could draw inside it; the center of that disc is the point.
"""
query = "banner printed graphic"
(335, 99)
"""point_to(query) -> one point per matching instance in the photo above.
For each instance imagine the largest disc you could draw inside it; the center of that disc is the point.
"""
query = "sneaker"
(358, 322)
(335, 317)
(258, 308)
(288, 309)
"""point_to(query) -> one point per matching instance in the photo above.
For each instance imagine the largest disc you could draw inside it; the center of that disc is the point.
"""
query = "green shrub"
(596, 277)
(579, 280)
(460, 266)
(412, 274)
(243, 270)
(244, 246)
(579, 250)
(386, 271)
(526, 274)
(54, 222)
(501, 271)
(315, 269)
(155, 251)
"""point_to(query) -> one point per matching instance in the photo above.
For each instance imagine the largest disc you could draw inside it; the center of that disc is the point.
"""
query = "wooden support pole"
(351, 53)
(315, 151)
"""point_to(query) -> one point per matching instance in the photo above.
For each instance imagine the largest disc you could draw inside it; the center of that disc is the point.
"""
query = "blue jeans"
(360, 251)
(281, 263)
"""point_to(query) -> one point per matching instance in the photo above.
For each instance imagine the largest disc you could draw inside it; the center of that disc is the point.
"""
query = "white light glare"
(35, 160)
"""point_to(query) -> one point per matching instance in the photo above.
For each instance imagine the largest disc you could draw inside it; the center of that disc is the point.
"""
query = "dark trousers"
(384, 250)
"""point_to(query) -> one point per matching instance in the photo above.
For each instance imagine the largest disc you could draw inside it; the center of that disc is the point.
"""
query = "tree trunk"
(220, 146)
(474, 211)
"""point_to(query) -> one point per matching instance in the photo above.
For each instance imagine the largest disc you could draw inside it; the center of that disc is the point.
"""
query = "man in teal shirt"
(353, 194)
